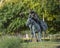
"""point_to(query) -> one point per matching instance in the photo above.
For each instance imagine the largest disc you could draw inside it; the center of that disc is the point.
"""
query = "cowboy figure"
(35, 17)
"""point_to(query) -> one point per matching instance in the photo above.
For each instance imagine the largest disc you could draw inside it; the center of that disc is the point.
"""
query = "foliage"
(10, 42)
(13, 13)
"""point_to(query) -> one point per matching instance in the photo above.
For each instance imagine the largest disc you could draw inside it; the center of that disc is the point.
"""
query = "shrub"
(10, 42)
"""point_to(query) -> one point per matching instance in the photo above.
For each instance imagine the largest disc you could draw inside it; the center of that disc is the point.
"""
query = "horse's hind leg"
(39, 36)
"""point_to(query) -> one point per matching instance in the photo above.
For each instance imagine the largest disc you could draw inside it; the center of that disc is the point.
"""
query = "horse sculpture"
(35, 28)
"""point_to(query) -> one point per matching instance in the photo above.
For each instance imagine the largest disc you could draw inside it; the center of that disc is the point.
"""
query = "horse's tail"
(44, 25)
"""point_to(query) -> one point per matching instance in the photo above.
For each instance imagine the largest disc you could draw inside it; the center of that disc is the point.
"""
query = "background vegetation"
(14, 13)
(13, 16)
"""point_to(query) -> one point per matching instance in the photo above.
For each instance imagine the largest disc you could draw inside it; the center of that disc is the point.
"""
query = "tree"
(14, 14)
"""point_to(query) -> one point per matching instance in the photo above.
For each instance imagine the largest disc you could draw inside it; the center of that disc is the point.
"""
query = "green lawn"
(16, 42)
(41, 45)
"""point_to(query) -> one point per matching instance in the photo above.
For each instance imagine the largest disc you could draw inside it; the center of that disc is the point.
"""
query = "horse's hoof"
(34, 40)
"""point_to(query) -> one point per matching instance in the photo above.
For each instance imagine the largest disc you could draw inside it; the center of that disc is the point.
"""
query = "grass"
(10, 42)
(41, 44)
(16, 42)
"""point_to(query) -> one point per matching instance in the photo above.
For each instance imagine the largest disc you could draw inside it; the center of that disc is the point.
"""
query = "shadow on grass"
(58, 47)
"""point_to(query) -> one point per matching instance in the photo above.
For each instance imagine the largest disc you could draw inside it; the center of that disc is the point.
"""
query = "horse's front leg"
(33, 36)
